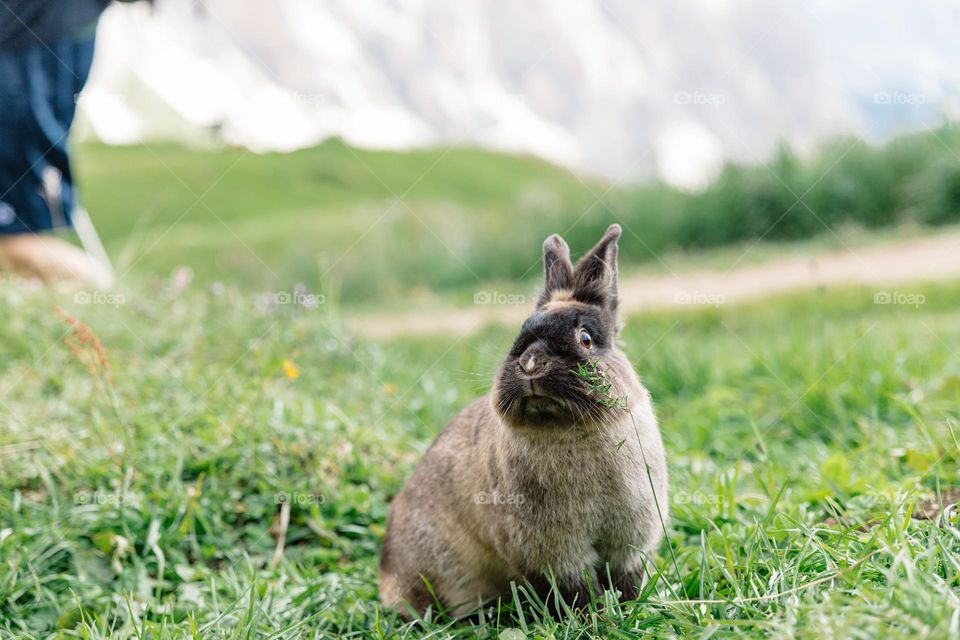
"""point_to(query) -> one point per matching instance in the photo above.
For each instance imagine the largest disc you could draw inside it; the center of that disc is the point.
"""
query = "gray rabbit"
(558, 477)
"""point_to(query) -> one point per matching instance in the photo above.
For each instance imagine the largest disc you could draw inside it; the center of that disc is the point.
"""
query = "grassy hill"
(369, 223)
(379, 226)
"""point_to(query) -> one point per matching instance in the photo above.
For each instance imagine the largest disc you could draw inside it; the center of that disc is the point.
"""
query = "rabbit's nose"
(532, 362)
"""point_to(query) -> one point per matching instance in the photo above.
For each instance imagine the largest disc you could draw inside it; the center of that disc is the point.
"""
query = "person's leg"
(38, 89)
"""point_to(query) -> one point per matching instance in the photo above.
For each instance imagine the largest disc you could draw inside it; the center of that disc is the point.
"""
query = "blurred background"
(393, 152)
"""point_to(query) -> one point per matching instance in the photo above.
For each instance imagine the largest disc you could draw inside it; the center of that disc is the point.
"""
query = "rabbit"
(555, 480)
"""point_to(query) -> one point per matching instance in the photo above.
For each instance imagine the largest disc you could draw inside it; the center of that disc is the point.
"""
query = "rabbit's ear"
(595, 278)
(557, 268)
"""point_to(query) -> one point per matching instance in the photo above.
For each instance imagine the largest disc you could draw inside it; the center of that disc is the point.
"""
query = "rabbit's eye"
(585, 339)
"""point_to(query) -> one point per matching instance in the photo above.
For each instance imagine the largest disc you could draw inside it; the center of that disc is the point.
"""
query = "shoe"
(53, 260)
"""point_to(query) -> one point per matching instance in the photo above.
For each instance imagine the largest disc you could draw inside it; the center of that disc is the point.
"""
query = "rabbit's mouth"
(536, 403)
(536, 408)
(542, 401)
(533, 407)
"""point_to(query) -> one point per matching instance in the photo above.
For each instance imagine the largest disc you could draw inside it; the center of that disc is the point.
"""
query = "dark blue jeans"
(39, 86)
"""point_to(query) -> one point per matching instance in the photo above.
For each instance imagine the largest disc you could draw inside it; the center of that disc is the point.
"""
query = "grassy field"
(442, 220)
(433, 219)
(181, 460)
(811, 439)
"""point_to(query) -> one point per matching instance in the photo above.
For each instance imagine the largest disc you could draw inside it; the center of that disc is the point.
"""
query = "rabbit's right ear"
(557, 268)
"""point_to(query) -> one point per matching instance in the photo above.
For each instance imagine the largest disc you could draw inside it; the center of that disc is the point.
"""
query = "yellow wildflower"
(290, 370)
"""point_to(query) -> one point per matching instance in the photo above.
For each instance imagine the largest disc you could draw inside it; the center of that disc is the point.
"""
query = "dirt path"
(883, 266)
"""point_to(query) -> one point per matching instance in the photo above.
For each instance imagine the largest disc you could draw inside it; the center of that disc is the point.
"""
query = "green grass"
(387, 226)
(144, 501)
(317, 216)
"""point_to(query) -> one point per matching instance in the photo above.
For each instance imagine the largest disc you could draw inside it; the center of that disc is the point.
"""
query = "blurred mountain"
(618, 88)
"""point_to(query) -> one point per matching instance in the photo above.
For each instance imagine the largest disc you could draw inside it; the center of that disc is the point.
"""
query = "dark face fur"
(574, 324)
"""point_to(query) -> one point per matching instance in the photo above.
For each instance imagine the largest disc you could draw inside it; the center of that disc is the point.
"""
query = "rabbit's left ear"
(595, 277)
(557, 268)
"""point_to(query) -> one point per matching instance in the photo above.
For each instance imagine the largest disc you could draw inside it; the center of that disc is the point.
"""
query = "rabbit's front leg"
(629, 578)
(576, 589)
